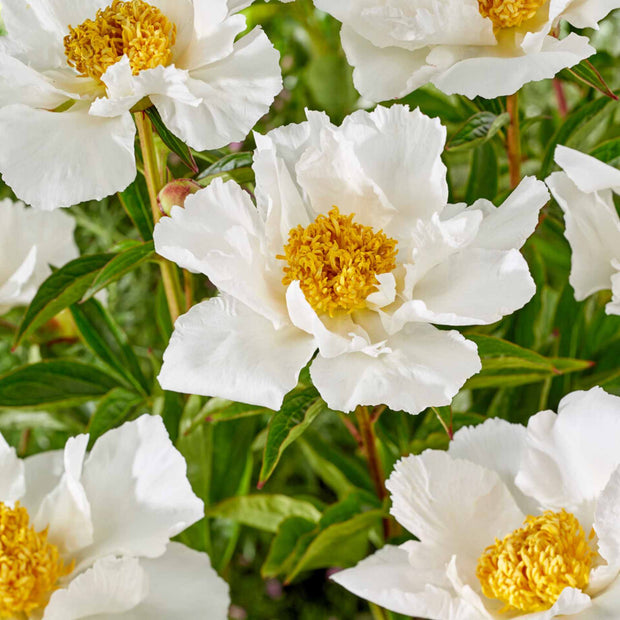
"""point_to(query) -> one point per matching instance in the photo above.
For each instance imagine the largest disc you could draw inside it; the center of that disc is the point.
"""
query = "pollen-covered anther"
(30, 566)
(132, 27)
(529, 568)
(509, 13)
(336, 261)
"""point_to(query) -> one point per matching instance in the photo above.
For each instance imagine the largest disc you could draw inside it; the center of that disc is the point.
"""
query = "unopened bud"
(175, 193)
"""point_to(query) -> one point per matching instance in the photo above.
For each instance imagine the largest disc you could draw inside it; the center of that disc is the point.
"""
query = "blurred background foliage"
(282, 514)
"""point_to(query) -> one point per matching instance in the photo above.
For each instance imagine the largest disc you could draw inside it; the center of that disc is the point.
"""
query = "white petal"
(81, 158)
(473, 287)
(382, 73)
(593, 231)
(587, 13)
(15, 291)
(613, 307)
(425, 367)
(586, 172)
(12, 481)
(182, 584)
(219, 233)
(605, 605)
(112, 586)
(387, 578)
(136, 483)
(607, 521)
(510, 225)
(236, 91)
(400, 150)
(570, 456)
(571, 602)
(452, 504)
(66, 510)
(494, 76)
(497, 445)
(222, 348)
(43, 472)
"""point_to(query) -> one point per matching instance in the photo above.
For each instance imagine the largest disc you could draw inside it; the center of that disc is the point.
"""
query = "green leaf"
(112, 411)
(280, 556)
(136, 202)
(484, 174)
(176, 145)
(228, 164)
(479, 128)
(120, 265)
(298, 412)
(103, 336)
(56, 382)
(63, 288)
(588, 74)
(264, 512)
(172, 412)
(608, 151)
(578, 120)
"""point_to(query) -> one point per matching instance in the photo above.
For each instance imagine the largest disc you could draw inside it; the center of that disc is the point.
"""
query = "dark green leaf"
(63, 288)
(609, 152)
(477, 129)
(484, 174)
(176, 145)
(228, 163)
(136, 202)
(587, 73)
(56, 382)
(284, 543)
(112, 411)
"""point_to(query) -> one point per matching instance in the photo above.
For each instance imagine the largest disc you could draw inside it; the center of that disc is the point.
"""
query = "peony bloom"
(353, 250)
(474, 48)
(585, 191)
(72, 71)
(88, 535)
(511, 522)
(30, 241)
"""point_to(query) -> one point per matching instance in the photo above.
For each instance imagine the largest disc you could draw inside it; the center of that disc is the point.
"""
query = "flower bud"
(175, 193)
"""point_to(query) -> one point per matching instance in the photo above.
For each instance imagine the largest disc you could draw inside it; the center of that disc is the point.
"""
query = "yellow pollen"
(30, 566)
(529, 568)
(509, 13)
(336, 261)
(131, 27)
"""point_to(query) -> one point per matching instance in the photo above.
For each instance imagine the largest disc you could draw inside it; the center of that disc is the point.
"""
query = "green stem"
(154, 183)
(513, 141)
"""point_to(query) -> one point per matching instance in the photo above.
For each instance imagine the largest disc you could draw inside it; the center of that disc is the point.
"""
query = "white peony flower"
(585, 191)
(511, 523)
(475, 48)
(69, 78)
(351, 250)
(88, 535)
(30, 241)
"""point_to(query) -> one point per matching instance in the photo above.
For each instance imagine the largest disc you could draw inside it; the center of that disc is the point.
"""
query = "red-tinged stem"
(513, 141)
(561, 97)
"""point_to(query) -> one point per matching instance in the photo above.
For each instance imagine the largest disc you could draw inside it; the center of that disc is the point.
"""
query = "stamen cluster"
(529, 568)
(509, 13)
(336, 261)
(132, 27)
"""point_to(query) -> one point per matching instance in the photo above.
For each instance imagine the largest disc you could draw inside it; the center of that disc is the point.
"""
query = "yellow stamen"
(30, 566)
(336, 261)
(131, 27)
(509, 13)
(529, 568)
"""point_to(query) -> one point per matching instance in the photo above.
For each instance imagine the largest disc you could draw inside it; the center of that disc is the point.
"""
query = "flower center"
(336, 261)
(529, 568)
(509, 13)
(30, 567)
(131, 27)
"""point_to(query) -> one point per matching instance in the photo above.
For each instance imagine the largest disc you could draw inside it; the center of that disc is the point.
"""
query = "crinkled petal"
(112, 586)
(593, 231)
(421, 367)
(570, 456)
(604, 605)
(497, 445)
(498, 75)
(81, 158)
(235, 92)
(586, 172)
(136, 483)
(66, 510)
(452, 504)
(613, 307)
(182, 584)
(473, 287)
(219, 233)
(12, 479)
(223, 348)
(43, 472)
(570, 602)
(587, 13)
(607, 521)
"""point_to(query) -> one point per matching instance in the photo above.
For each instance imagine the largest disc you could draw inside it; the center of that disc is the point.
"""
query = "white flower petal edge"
(30, 241)
(457, 504)
(399, 47)
(12, 481)
(211, 92)
(584, 192)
